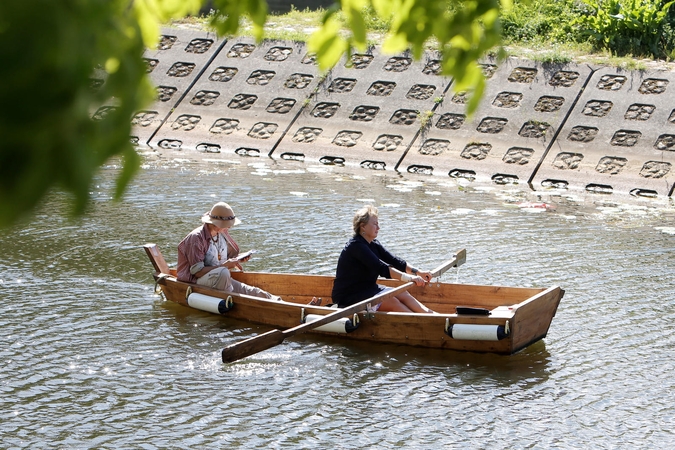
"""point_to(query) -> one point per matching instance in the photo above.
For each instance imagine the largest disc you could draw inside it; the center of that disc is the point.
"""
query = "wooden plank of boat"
(528, 312)
(456, 261)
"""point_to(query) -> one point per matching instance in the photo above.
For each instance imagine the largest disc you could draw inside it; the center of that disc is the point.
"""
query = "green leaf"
(358, 27)
(132, 163)
(385, 8)
(147, 22)
(151, 13)
(257, 11)
(49, 138)
(327, 44)
(476, 95)
(394, 43)
(227, 21)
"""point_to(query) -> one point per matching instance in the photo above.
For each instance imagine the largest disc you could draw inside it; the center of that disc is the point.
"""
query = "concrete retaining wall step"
(553, 126)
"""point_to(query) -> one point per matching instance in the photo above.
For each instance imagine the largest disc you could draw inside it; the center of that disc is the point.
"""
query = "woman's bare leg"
(412, 304)
(393, 305)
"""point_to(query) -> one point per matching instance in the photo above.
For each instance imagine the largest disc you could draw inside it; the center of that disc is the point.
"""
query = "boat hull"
(524, 314)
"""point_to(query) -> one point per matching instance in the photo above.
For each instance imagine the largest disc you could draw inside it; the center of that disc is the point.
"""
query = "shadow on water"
(532, 363)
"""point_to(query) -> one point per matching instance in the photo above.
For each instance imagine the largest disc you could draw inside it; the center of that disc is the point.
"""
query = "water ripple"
(94, 359)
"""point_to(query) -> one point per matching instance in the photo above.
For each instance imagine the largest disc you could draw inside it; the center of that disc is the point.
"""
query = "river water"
(92, 358)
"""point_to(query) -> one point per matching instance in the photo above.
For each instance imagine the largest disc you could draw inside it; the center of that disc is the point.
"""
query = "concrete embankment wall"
(553, 126)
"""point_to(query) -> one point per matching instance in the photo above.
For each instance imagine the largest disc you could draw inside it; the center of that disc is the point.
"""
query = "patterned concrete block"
(174, 66)
(620, 136)
(365, 113)
(553, 126)
(244, 102)
(523, 106)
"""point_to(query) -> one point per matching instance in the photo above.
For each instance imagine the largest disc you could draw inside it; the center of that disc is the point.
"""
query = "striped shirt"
(198, 250)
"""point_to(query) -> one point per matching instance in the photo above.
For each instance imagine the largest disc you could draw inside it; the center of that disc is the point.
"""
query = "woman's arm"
(398, 275)
(387, 257)
(399, 264)
(414, 271)
(361, 251)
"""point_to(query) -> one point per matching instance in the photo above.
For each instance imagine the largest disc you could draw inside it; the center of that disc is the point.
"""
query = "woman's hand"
(425, 275)
(418, 280)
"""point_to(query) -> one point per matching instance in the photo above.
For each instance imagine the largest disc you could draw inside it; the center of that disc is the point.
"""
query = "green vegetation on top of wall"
(623, 28)
(551, 31)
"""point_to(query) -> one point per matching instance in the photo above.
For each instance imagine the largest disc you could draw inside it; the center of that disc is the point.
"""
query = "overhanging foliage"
(59, 122)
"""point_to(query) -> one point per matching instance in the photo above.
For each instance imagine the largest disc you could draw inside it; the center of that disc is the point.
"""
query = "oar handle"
(255, 344)
(456, 261)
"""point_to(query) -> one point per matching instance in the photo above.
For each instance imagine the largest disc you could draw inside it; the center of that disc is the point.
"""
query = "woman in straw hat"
(364, 259)
(208, 253)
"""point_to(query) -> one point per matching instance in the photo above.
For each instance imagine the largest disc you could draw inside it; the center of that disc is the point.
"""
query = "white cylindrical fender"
(471, 332)
(341, 326)
(209, 304)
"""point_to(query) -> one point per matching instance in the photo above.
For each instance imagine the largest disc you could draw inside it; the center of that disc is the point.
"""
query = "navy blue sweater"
(358, 267)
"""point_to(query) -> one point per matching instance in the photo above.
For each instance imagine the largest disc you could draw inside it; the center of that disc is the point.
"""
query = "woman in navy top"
(364, 259)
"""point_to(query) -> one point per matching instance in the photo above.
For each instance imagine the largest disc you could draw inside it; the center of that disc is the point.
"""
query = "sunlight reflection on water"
(93, 358)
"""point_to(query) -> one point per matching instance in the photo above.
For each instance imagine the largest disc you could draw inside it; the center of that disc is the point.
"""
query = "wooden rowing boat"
(475, 318)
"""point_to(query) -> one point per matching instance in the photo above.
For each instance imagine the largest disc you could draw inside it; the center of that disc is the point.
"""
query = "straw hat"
(221, 215)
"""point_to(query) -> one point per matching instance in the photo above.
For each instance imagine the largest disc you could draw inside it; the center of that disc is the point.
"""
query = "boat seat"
(157, 259)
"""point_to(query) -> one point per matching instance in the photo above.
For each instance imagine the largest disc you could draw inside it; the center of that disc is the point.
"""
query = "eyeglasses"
(222, 217)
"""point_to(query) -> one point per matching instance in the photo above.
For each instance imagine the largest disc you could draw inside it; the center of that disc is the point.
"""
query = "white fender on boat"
(341, 326)
(471, 332)
(210, 304)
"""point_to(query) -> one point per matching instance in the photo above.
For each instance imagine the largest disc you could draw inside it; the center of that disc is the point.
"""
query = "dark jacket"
(358, 268)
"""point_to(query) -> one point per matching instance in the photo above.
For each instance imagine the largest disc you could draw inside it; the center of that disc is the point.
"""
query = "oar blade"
(253, 345)
(460, 257)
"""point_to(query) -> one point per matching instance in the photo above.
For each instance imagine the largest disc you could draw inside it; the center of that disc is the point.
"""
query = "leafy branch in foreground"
(52, 51)
(55, 56)
(461, 30)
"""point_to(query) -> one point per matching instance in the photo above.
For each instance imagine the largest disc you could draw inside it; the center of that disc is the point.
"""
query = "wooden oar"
(456, 261)
(267, 340)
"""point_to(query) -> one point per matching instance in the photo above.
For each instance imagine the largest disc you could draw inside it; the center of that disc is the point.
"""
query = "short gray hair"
(362, 217)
